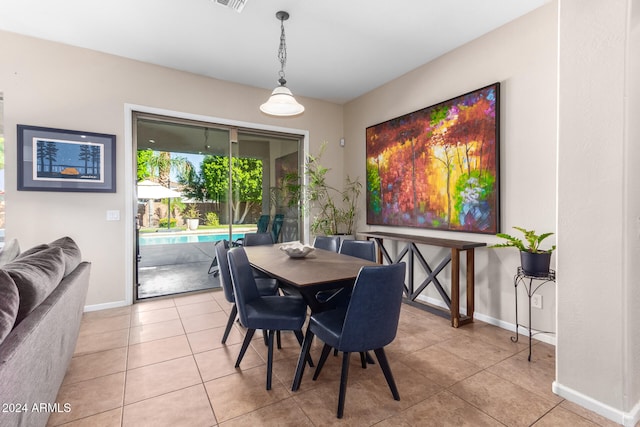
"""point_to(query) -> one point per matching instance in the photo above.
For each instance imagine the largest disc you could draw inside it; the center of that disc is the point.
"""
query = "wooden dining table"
(319, 271)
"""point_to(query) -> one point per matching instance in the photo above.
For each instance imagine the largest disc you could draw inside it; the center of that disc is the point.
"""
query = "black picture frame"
(65, 160)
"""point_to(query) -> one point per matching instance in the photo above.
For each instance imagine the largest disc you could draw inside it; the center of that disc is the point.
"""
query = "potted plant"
(192, 216)
(533, 260)
(335, 209)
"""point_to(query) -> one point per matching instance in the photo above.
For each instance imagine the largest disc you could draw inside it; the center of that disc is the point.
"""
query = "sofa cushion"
(9, 251)
(33, 250)
(9, 302)
(36, 276)
(72, 253)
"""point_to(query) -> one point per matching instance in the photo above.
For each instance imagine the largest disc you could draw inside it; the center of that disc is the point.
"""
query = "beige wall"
(598, 362)
(599, 207)
(522, 57)
(53, 85)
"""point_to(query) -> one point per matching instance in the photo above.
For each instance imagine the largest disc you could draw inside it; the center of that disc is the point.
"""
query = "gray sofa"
(42, 296)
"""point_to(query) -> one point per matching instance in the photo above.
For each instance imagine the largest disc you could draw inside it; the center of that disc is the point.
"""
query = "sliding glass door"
(209, 182)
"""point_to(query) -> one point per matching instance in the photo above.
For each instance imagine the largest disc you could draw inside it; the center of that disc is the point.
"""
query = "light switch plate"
(113, 215)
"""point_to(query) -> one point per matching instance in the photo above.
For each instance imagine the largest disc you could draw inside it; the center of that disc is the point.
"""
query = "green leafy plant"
(162, 223)
(211, 218)
(335, 209)
(191, 211)
(531, 242)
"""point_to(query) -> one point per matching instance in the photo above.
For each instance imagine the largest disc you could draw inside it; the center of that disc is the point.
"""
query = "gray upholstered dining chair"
(257, 239)
(365, 249)
(329, 243)
(265, 286)
(369, 322)
(270, 313)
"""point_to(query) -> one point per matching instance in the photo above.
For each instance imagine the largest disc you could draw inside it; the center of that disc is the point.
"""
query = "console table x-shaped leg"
(412, 253)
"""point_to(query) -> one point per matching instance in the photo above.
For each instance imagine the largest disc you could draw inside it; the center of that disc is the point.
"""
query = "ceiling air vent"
(236, 5)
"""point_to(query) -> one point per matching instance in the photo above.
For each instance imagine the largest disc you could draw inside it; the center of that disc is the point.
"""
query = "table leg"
(455, 288)
(470, 283)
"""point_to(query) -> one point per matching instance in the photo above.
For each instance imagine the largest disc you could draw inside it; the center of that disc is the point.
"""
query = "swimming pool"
(184, 238)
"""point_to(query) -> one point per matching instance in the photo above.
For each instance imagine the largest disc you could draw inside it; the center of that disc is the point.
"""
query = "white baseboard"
(546, 338)
(627, 419)
(96, 307)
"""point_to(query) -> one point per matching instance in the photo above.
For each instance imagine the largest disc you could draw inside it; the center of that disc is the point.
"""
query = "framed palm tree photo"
(65, 160)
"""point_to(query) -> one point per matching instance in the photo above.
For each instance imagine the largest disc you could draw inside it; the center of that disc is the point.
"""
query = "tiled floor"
(160, 363)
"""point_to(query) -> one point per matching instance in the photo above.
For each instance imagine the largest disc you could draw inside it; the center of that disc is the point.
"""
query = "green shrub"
(163, 223)
(212, 219)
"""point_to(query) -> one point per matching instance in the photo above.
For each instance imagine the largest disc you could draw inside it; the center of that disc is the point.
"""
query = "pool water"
(195, 238)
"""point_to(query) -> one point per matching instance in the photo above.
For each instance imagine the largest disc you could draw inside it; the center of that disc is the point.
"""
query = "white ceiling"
(337, 49)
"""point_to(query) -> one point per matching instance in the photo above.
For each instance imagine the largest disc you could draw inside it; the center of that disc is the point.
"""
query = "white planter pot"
(192, 224)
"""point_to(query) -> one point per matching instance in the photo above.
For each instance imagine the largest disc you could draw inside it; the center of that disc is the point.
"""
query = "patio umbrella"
(152, 190)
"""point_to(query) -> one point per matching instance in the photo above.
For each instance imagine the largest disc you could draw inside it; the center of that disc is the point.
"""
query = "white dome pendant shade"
(281, 102)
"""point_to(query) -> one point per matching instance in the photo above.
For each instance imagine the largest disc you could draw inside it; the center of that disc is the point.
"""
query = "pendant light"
(281, 102)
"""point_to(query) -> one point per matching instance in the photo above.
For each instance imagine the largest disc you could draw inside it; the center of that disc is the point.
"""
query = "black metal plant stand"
(522, 277)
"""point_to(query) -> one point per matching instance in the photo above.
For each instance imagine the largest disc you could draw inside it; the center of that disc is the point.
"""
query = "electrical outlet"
(536, 301)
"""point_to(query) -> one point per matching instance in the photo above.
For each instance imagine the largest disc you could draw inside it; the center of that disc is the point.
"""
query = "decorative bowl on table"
(297, 249)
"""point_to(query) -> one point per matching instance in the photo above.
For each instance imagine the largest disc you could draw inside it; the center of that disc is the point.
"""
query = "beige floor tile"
(195, 309)
(160, 378)
(210, 339)
(193, 298)
(441, 410)
(475, 350)
(155, 304)
(284, 413)
(591, 416)
(105, 324)
(561, 417)
(439, 365)
(161, 350)
(435, 368)
(290, 346)
(501, 399)
(205, 321)
(221, 361)
(535, 376)
(363, 405)
(243, 392)
(89, 397)
(409, 342)
(155, 331)
(186, 407)
(103, 341)
(154, 316)
(95, 365)
(112, 418)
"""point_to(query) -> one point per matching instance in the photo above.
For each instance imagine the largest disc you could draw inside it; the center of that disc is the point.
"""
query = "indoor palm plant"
(534, 260)
(334, 209)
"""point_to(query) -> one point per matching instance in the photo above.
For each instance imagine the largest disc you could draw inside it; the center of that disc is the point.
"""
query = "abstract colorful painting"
(438, 167)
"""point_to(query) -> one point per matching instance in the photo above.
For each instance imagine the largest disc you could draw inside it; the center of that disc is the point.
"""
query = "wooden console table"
(412, 251)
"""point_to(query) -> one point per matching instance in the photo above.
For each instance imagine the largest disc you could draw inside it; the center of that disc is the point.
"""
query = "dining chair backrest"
(278, 220)
(222, 249)
(329, 243)
(365, 249)
(244, 284)
(372, 317)
(263, 223)
(257, 239)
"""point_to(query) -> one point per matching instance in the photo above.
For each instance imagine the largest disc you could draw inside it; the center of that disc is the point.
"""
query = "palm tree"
(159, 165)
